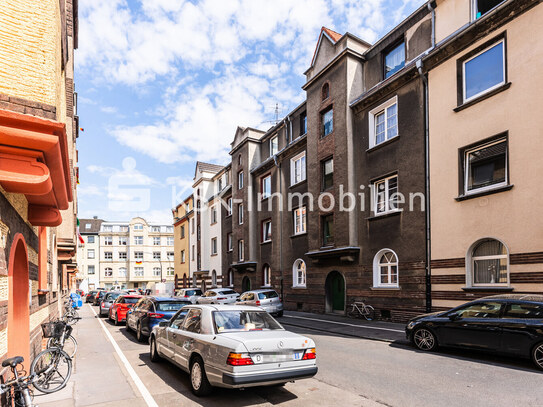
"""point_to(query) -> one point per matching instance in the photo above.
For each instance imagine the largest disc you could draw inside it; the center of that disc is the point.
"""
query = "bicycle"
(359, 308)
(70, 312)
(64, 340)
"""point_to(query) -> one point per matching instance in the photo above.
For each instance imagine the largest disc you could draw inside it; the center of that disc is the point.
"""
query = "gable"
(325, 52)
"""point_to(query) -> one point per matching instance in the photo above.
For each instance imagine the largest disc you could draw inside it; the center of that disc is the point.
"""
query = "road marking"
(346, 324)
(139, 384)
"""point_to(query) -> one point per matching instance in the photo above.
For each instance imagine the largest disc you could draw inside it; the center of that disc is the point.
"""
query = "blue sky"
(163, 83)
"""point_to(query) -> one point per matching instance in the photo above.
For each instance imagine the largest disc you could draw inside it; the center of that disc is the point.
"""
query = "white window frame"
(88, 226)
(182, 256)
(296, 281)
(156, 271)
(139, 271)
(157, 255)
(241, 214)
(375, 194)
(466, 167)
(474, 9)
(91, 254)
(122, 271)
(297, 176)
(502, 41)
(266, 274)
(274, 140)
(138, 240)
(214, 278)
(377, 270)
(300, 219)
(229, 206)
(138, 256)
(230, 278)
(123, 256)
(89, 269)
(169, 241)
(155, 229)
(213, 214)
(156, 240)
(123, 241)
(214, 246)
(382, 108)
(241, 250)
(264, 223)
(108, 240)
(138, 226)
(240, 179)
(90, 239)
(230, 241)
(108, 255)
(470, 263)
(266, 193)
(108, 272)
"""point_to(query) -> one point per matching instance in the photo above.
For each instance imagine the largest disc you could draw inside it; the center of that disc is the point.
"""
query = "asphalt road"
(352, 372)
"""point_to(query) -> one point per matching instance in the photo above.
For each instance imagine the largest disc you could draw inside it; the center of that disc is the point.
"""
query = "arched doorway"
(246, 284)
(18, 302)
(335, 292)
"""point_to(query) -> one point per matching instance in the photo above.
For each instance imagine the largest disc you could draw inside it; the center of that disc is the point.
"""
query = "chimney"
(95, 217)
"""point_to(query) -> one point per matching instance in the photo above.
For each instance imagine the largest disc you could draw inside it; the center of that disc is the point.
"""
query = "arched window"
(231, 278)
(122, 271)
(108, 272)
(488, 264)
(266, 275)
(213, 278)
(385, 269)
(299, 273)
(325, 91)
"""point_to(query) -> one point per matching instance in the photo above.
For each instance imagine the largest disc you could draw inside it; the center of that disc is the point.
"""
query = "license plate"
(298, 355)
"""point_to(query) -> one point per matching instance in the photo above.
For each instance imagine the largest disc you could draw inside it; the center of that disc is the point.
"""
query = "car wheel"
(198, 379)
(155, 357)
(537, 355)
(139, 334)
(280, 314)
(424, 339)
(116, 319)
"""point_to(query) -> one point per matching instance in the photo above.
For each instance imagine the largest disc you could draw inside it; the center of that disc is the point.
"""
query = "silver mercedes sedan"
(233, 347)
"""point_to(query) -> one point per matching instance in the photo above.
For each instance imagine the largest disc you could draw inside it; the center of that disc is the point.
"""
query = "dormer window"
(325, 91)
(395, 60)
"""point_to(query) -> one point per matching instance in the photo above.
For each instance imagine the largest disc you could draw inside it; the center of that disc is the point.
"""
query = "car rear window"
(228, 292)
(131, 300)
(171, 306)
(113, 296)
(193, 292)
(267, 295)
(239, 321)
(522, 311)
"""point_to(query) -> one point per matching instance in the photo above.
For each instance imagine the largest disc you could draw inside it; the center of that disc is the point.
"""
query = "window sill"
(266, 242)
(485, 192)
(482, 97)
(298, 183)
(385, 215)
(489, 288)
(385, 288)
(213, 255)
(298, 234)
(299, 287)
(383, 144)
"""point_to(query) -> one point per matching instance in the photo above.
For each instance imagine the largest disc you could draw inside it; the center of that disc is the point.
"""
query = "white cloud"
(108, 109)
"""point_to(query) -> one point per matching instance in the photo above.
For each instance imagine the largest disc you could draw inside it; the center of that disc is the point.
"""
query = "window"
(229, 240)
(192, 254)
(156, 271)
(383, 122)
(138, 226)
(123, 240)
(478, 310)
(483, 72)
(214, 246)
(182, 256)
(385, 195)
(274, 145)
(138, 271)
(170, 271)
(395, 60)
(90, 254)
(240, 214)
(123, 228)
(156, 255)
(192, 225)
(122, 271)
(325, 91)
(297, 168)
(90, 269)
(122, 256)
(108, 255)
(241, 250)
(485, 167)
(108, 272)
(138, 240)
(108, 228)
(231, 278)
(239, 159)
(481, 7)
(328, 230)
(169, 240)
(219, 184)
(299, 273)
(87, 226)
(385, 269)
(229, 207)
(138, 255)
(170, 256)
(303, 123)
(108, 240)
(266, 275)
(267, 231)
(523, 311)
(194, 280)
(192, 321)
(265, 186)
(182, 231)
(213, 215)
(489, 264)
(299, 220)
(240, 180)
(90, 239)
(214, 278)
(327, 168)
(155, 229)
(156, 241)
(327, 119)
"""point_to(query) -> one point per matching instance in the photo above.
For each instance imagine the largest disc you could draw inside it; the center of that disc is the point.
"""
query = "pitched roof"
(208, 167)
(94, 227)
(331, 35)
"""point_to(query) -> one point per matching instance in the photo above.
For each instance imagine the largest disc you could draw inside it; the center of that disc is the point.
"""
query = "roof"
(516, 297)
(161, 299)
(94, 226)
(208, 167)
(331, 35)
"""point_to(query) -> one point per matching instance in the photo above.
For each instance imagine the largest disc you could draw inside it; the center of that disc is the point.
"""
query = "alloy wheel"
(538, 355)
(424, 339)
(196, 376)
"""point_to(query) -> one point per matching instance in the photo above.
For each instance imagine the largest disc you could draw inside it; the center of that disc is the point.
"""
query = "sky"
(164, 83)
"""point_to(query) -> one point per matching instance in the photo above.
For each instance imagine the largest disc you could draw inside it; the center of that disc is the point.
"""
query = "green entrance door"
(337, 291)
(246, 284)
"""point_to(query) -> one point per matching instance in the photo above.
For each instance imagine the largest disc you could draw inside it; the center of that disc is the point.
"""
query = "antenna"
(276, 113)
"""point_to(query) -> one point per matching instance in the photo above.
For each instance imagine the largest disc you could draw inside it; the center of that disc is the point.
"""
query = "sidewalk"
(341, 325)
(97, 377)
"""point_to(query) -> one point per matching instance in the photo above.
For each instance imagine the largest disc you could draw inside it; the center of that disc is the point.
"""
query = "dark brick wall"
(19, 105)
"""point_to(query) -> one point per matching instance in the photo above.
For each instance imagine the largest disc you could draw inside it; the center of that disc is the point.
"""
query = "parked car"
(268, 300)
(108, 301)
(218, 296)
(192, 294)
(232, 347)
(91, 295)
(507, 324)
(117, 312)
(99, 297)
(149, 311)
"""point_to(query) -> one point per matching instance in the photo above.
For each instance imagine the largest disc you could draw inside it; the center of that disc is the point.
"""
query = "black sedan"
(509, 324)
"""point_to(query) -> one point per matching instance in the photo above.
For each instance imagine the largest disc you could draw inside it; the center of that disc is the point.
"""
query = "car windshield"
(268, 295)
(240, 321)
(171, 305)
(112, 297)
(130, 300)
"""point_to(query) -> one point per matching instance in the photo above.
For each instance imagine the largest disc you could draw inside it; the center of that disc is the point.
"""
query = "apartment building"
(181, 231)
(136, 254)
(88, 254)
(38, 165)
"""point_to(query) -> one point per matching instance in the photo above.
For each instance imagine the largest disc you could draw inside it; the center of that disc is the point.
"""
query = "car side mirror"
(163, 324)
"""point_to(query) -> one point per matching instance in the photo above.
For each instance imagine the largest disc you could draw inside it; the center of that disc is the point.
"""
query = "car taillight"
(221, 298)
(257, 303)
(155, 315)
(239, 359)
(310, 354)
(186, 296)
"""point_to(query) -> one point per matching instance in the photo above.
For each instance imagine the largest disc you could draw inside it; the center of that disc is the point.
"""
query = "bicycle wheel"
(352, 313)
(52, 369)
(70, 345)
(368, 312)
